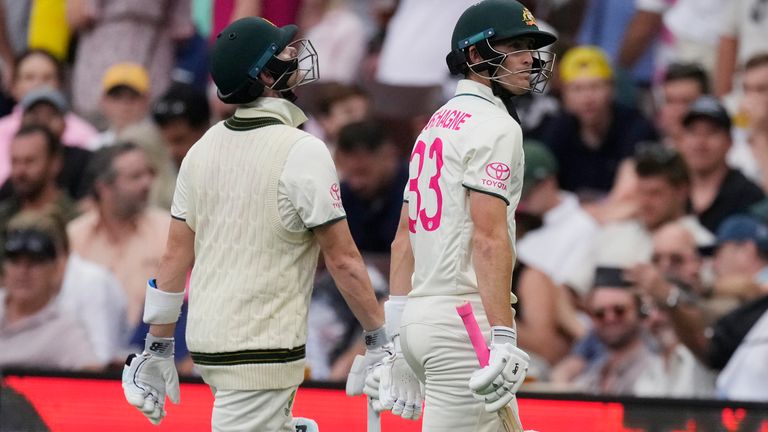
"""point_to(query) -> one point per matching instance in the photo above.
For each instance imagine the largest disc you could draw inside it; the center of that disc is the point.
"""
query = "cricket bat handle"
(355, 384)
(508, 417)
(374, 419)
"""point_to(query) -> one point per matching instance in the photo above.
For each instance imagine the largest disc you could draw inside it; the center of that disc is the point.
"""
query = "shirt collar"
(474, 88)
(277, 108)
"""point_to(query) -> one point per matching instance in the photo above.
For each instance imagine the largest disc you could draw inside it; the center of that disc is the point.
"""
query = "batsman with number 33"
(455, 241)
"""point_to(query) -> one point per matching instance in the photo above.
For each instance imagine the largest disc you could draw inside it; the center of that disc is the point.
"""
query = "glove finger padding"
(172, 386)
(376, 405)
(397, 408)
(387, 391)
(407, 390)
(357, 376)
(485, 377)
(494, 387)
(411, 411)
(372, 383)
(415, 404)
(499, 403)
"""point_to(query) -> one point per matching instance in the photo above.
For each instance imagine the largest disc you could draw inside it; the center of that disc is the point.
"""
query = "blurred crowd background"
(642, 240)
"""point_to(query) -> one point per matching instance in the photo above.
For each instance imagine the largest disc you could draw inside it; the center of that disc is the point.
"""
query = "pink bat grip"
(475, 334)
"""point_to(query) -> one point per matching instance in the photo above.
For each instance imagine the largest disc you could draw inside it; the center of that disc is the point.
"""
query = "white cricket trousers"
(437, 347)
(253, 410)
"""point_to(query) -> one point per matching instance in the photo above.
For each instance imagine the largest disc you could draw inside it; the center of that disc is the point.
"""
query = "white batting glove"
(301, 424)
(497, 383)
(150, 376)
(399, 389)
(377, 348)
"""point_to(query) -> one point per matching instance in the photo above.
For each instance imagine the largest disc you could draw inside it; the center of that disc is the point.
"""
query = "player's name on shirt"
(448, 119)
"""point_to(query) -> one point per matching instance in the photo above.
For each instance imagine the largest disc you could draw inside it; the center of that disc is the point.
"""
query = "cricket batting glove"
(301, 424)
(377, 347)
(395, 386)
(497, 383)
(150, 376)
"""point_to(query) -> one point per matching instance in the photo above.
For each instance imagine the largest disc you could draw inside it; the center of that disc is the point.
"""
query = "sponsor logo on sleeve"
(497, 174)
(335, 195)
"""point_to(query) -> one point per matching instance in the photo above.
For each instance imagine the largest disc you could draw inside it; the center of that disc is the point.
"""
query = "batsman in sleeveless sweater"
(256, 200)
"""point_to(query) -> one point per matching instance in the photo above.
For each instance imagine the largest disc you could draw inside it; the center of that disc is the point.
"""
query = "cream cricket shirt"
(470, 144)
(252, 189)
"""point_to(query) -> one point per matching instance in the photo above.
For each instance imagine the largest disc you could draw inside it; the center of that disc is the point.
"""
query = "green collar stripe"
(474, 95)
(278, 355)
(244, 124)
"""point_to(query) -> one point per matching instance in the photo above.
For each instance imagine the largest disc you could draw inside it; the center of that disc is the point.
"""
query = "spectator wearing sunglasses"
(34, 331)
(617, 316)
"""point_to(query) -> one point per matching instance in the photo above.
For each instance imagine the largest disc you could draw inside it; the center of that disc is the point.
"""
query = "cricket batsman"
(455, 242)
(256, 200)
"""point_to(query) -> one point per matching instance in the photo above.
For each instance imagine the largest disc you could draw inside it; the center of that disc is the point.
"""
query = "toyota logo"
(497, 170)
(335, 194)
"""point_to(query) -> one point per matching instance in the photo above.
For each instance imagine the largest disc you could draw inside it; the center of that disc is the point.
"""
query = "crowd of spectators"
(642, 243)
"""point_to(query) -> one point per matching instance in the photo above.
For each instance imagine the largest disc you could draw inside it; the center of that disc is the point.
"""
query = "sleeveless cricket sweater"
(252, 279)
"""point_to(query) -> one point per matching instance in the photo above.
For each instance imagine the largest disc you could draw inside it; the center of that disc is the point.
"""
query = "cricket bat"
(507, 414)
(355, 386)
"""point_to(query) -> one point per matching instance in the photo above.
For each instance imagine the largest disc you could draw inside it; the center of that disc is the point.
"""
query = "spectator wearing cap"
(617, 317)
(717, 191)
(373, 179)
(592, 134)
(122, 232)
(124, 101)
(732, 344)
(47, 107)
(183, 115)
(35, 69)
(34, 331)
(557, 245)
(36, 160)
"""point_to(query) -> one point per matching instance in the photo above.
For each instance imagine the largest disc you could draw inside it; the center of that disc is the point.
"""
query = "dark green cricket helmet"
(241, 52)
(493, 20)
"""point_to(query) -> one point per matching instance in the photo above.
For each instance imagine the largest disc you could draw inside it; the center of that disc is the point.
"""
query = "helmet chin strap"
(281, 71)
(488, 54)
(506, 97)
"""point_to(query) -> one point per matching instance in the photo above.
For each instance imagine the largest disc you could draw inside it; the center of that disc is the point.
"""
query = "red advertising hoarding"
(76, 404)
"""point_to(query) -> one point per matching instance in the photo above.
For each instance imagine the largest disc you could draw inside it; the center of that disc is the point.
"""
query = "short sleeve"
(309, 181)
(181, 208)
(493, 164)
